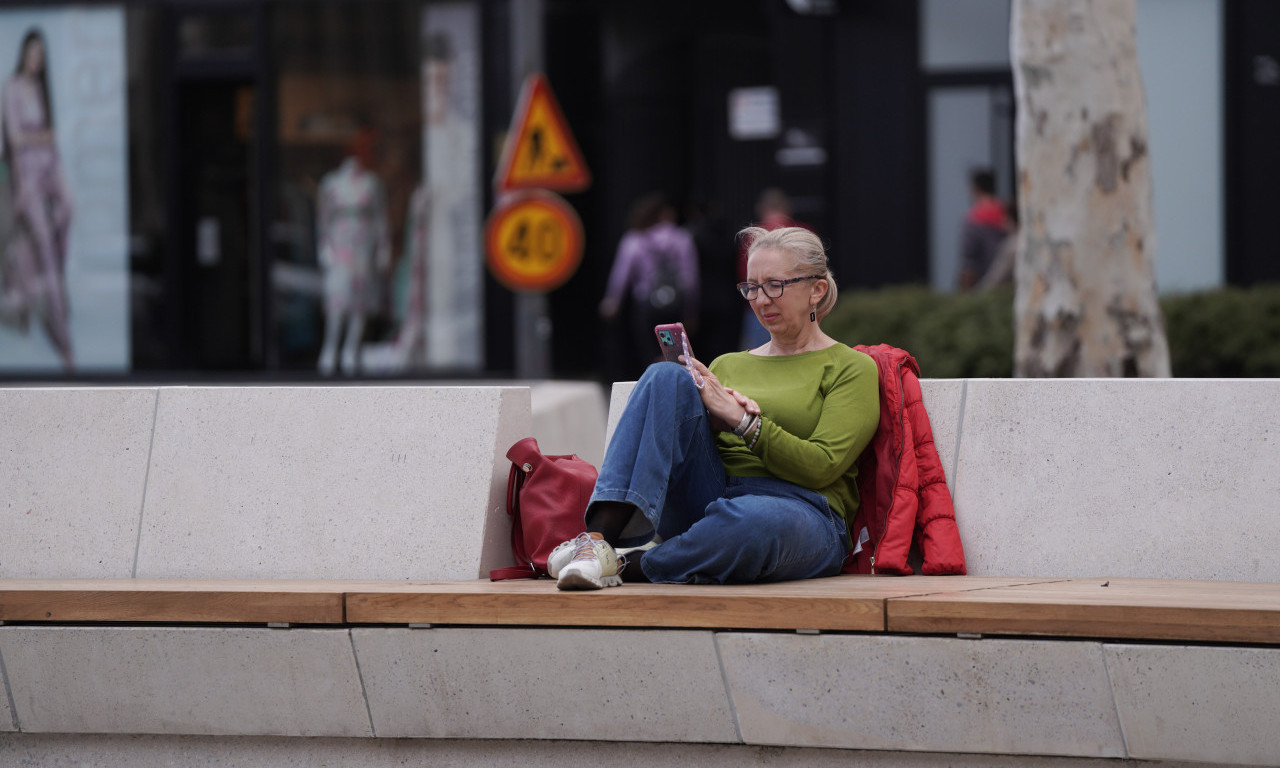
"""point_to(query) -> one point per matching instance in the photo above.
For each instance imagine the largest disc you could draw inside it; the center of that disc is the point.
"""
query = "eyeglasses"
(772, 288)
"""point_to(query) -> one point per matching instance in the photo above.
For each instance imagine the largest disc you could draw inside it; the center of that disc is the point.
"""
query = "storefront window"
(377, 219)
(63, 181)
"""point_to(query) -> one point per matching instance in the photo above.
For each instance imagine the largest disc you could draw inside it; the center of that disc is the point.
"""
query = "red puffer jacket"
(904, 496)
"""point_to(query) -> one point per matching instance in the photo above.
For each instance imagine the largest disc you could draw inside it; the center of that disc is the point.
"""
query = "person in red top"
(986, 227)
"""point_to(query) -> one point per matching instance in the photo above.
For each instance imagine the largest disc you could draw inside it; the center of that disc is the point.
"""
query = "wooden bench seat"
(1134, 609)
(1153, 609)
(217, 601)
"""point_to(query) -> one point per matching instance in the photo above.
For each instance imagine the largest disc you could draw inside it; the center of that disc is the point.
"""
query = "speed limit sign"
(533, 241)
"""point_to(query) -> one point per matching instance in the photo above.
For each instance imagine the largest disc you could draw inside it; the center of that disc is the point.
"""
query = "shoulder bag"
(547, 501)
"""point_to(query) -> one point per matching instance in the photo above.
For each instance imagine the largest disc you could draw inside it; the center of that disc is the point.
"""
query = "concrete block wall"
(1163, 478)
(909, 695)
(258, 482)
(103, 751)
(570, 417)
(197, 680)
(1146, 478)
(75, 472)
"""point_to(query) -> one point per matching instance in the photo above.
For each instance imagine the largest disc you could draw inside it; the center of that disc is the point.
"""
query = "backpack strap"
(513, 572)
(519, 454)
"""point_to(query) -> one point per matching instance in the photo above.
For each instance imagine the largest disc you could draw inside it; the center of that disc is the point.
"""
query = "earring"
(813, 314)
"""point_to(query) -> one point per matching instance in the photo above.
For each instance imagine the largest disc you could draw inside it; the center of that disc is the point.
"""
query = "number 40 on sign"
(533, 241)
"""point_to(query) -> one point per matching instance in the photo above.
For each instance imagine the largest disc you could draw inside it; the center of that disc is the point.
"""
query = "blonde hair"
(807, 250)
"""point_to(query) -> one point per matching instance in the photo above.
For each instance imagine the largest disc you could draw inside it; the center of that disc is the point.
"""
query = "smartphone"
(674, 342)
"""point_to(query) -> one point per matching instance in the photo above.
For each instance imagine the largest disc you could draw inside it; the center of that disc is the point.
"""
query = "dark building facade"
(252, 246)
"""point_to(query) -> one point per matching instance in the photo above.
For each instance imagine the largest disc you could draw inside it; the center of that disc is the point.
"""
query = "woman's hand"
(750, 405)
(724, 405)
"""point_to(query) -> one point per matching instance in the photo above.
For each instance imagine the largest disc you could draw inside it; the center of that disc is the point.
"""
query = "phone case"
(671, 340)
(674, 342)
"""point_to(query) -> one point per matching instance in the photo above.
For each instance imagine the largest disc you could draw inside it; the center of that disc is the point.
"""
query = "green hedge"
(1232, 332)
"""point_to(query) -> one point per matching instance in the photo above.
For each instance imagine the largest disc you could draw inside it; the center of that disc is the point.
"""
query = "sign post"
(533, 239)
(540, 151)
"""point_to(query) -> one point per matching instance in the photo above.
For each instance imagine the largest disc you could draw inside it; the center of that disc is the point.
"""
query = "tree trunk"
(1086, 302)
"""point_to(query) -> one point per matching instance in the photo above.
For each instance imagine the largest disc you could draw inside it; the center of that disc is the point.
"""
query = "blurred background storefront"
(257, 186)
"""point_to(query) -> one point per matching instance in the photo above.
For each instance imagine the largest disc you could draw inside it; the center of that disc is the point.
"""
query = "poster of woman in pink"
(64, 191)
(36, 253)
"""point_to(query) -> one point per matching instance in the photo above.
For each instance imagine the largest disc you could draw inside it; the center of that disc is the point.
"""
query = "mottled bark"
(1086, 300)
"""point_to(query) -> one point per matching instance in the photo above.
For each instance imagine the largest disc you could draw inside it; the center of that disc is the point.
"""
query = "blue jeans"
(715, 529)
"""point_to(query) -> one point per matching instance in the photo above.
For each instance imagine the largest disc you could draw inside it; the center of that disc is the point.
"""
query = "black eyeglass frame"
(748, 290)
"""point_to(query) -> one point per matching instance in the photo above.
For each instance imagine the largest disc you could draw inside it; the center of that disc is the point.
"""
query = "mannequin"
(442, 326)
(354, 248)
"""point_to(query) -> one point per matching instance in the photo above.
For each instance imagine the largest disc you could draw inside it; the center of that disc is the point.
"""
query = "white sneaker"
(563, 553)
(594, 565)
(560, 557)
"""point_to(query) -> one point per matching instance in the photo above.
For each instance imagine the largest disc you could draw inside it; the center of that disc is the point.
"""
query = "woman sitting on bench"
(750, 477)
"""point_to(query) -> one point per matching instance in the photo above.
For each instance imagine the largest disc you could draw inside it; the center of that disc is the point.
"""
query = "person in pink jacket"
(653, 245)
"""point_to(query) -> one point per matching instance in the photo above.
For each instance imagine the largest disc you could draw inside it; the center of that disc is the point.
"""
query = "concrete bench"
(257, 482)
(1138, 478)
(699, 664)
(1082, 649)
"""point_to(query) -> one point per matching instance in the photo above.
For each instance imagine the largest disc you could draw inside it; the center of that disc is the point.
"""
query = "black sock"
(632, 571)
(609, 518)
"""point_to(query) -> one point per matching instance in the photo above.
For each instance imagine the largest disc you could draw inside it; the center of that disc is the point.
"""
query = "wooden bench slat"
(1153, 609)
(173, 600)
(636, 608)
(842, 603)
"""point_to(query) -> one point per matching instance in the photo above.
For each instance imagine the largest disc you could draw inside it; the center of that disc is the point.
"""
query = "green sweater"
(820, 411)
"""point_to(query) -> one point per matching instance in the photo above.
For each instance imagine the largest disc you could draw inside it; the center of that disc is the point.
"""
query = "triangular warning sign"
(540, 151)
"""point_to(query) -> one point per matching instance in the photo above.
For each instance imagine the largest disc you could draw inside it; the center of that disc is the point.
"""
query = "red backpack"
(547, 501)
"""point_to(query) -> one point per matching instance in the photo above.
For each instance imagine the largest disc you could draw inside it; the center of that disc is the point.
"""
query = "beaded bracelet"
(751, 444)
